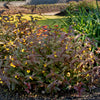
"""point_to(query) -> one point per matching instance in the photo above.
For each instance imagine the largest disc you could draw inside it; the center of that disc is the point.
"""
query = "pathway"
(14, 3)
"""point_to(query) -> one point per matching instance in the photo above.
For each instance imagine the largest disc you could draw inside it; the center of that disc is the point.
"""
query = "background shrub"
(85, 18)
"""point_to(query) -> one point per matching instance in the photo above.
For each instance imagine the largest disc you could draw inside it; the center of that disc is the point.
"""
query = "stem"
(97, 5)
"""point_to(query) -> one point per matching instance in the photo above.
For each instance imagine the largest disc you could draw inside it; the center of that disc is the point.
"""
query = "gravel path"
(14, 3)
(51, 13)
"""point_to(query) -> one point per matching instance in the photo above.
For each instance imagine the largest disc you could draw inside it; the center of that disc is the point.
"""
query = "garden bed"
(50, 73)
(5, 94)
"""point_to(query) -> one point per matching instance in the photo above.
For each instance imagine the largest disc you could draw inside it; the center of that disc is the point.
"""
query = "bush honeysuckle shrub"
(11, 29)
(46, 59)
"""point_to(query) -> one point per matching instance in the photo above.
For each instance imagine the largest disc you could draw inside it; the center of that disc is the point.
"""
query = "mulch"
(5, 94)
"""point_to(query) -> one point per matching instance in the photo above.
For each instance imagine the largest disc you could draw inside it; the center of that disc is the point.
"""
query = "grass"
(46, 20)
(51, 22)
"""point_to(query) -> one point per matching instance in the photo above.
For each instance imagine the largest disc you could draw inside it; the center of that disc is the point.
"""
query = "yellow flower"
(5, 18)
(54, 52)
(22, 50)
(24, 40)
(80, 57)
(83, 51)
(91, 56)
(28, 71)
(29, 33)
(3, 72)
(87, 75)
(55, 56)
(5, 57)
(39, 42)
(12, 59)
(79, 71)
(7, 49)
(26, 37)
(92, 60)
(66, 48)
(4, 45)
(90, 49)
(68, 74)
(18, 30)
(16, 76)
(26, 63)
(12, 65)
(31, 42)
(43, 71)
(1, 82)
(22, 32)
(45, 65)
(14, 32)
(0, 18)
(11, 42)
(0, 79)
(30, 78)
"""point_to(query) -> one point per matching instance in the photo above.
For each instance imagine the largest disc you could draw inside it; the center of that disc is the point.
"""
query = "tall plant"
(97, 5)
(86, 19)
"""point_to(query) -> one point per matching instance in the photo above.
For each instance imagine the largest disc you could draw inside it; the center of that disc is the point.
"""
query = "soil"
(5, 94)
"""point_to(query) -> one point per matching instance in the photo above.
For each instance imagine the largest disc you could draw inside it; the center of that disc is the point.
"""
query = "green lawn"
(47, 20)
(51, 22)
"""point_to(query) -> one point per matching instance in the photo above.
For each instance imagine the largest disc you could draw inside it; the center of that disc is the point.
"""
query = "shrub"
(85, 18)
(45, 59)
